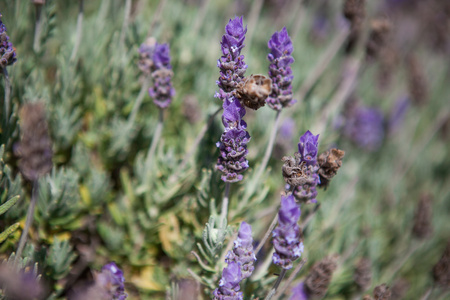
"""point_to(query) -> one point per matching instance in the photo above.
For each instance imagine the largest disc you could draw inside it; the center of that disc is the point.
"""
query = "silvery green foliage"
(59, 258)
(58, 202)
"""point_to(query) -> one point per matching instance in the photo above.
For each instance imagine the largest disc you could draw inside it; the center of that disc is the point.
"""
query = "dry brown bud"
(422, 218)
(363, 274)
(319, 278)
(417, 83)
(382, 292)
(35, 147)
(295, 172)
(441, 271)
(329, 163)
(254, 90)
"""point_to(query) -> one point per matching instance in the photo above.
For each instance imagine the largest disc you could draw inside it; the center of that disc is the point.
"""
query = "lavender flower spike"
(299, 293)
(229, 284)
(112, 281)
(308, 148)
(280, 72)
(243, 253)
(286, 237)
(7, 51)
(233, 142)
(231, 64)
(162, 91)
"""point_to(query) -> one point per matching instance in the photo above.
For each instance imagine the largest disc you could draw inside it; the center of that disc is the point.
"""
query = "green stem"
(156, 138)
(267, 234)
(277, 283)
(37, 29)
(290, 279)
(138, 102)
(29, 220)
(126, 21)
(79, 31)
(7, 93)
(224, 212)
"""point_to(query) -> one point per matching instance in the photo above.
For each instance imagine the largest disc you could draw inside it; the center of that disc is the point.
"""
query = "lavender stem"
(156, 16)
(37, 29)
(156, 138)
(275, 286)
(79, 31)
(290, 279)
(138, 102)
(267, 234)
(29, 220)
(7, 93)
(126, 21)
(269, 148)
(224, 212)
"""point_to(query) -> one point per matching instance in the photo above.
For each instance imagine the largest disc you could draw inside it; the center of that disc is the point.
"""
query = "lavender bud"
(329, 163)
(146, 51)
(319, 278)
(308, 147)
(364, 126)
(111, 280)
(7, 51)
(441, 271)
(231, 64)
(233, 142)
(229, 284)
(382, 292)
(363, 274)
(162, 91)
(243, 253)
(299, 293)
(422, 218)
(35, 147)
(286, 236)
(280, 72)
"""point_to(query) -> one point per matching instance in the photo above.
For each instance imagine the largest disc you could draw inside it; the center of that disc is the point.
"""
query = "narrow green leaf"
(8, 231)
(4, 208)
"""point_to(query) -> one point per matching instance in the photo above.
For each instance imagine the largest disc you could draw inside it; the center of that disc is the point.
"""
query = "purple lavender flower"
(112, 281)
(7, 51)
(157, 58)
(229, 283)
(280, 72)
(286, 237)
(231, 64)
(308, 147)
(299, 293)
(364, 126)
(233, 142)
(243, 253)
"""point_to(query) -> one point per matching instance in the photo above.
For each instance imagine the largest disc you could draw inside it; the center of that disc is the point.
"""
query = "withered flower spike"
(422, 218)
(329, 163)
(295, 171)
(254, 90)
(319, 278)
(363, 274)
(378, 37)
(417, 81)
(382, 292)
(441, 271)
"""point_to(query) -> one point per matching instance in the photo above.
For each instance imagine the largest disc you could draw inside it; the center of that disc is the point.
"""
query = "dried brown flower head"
(319, 278)
(355, 12)
(295, 172)
(35, 147)
(417, 82)
(363, 274)
(379, 33)
(254, 90)
(146, 50)
(329, 163)
(422, 218)
(441, 271)
(382, 292)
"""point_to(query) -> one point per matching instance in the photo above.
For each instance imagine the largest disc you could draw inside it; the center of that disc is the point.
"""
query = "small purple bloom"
(308, 147)
(233, 142)
(364, 126)
(242, 252)
(231, 64)
(7, 51)
(280, 72)
(229, 284)
(286, 237)
(299, 293)
(112, 280)
(162, 91)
